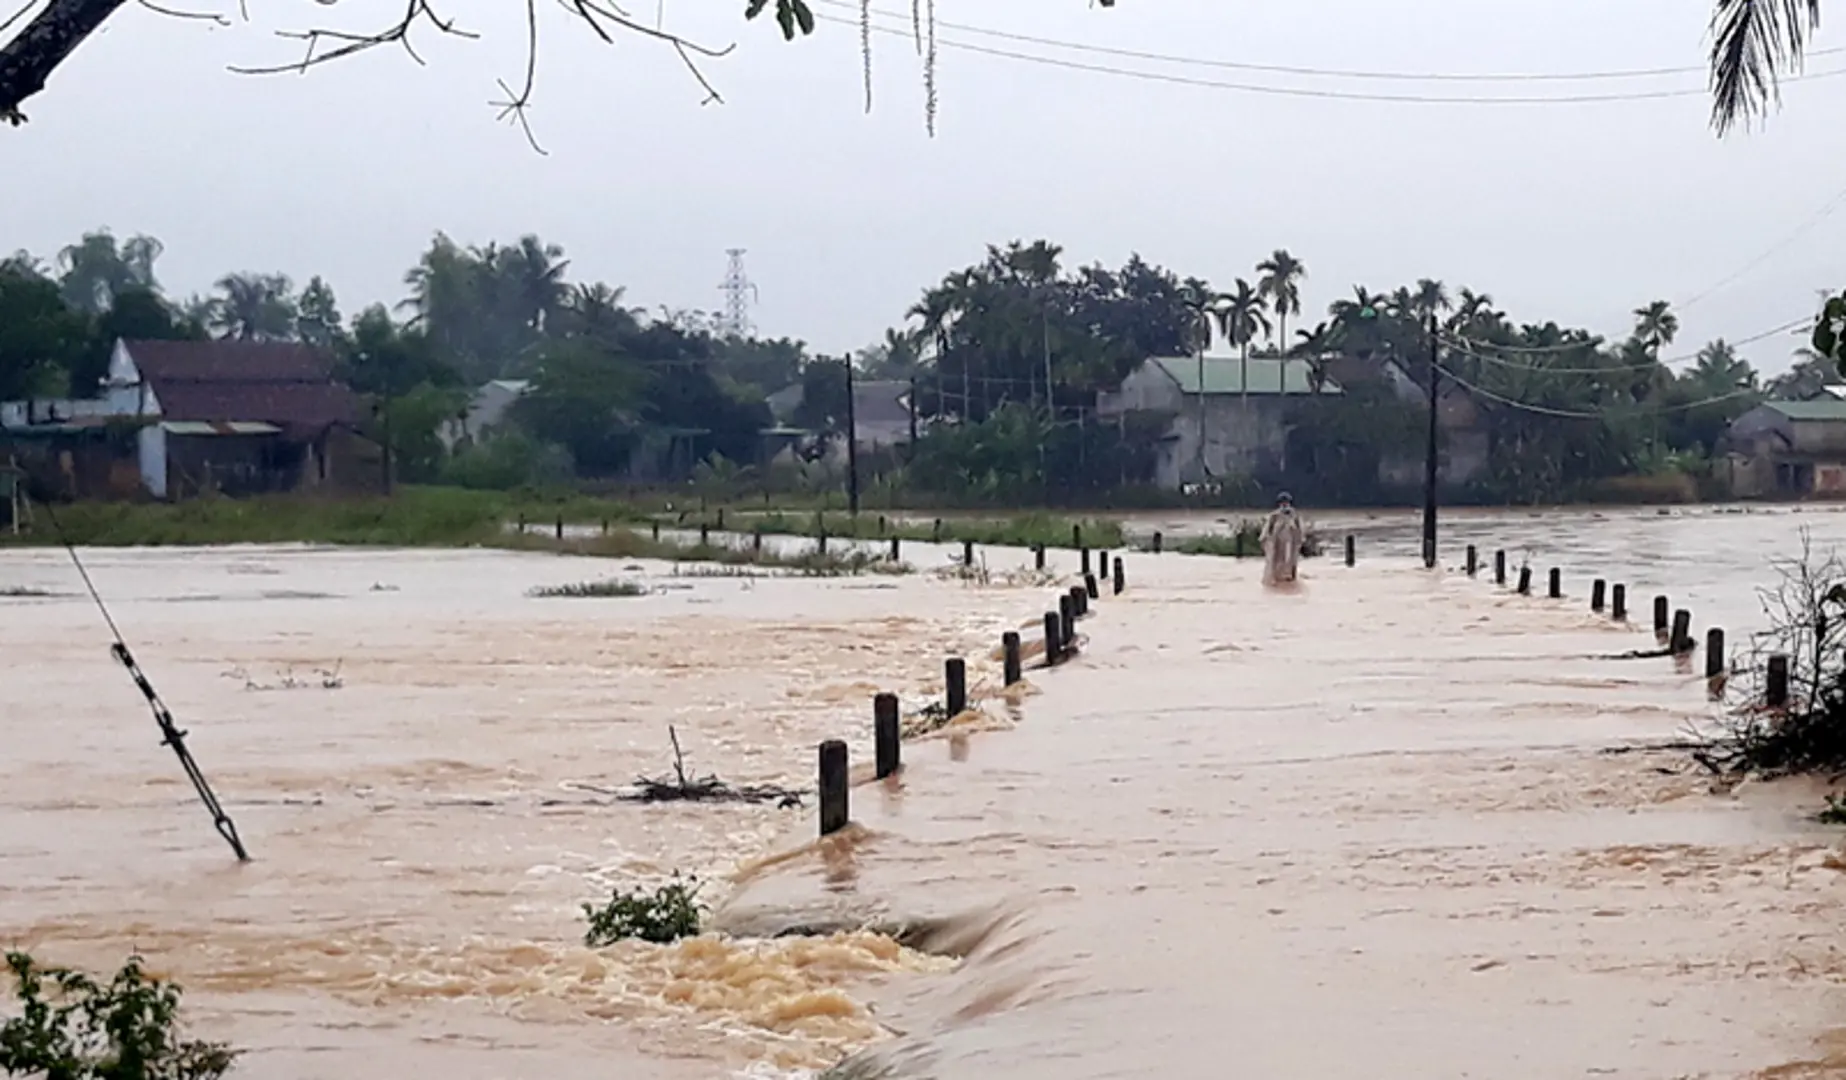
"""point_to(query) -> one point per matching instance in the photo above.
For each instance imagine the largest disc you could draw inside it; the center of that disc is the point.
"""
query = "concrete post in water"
(1618, 603)
(1009, 652)
(1660, 617)
(1067, 624)
(1525, 581)
(1499, 568)
(1089, 588)
(704, 535)
(834, 811)
(955, 685)
(1038, 556)
(1715, 660)
(1776, 691)
(1157, 542)
(1121, 578)
(1352, 550)
(820, 543)
(656, 532)
(560, 533)
(1079, 601)
(1681, 638)
(895, 542)
(1083, 566)
(605, 526)
(1598, 589)
(887, 734)
(1054, 638)
(1076, 535)
(881, 524)
(967, 553)
(1474, 560)
(1102, 565)
(1557, 584)
(935, 532)
(756, 541)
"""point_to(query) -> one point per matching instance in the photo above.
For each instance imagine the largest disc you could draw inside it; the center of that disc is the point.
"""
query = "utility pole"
(852, 443)
(1429, 461)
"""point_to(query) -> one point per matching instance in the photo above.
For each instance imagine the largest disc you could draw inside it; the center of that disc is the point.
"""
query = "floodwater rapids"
(1364, 825)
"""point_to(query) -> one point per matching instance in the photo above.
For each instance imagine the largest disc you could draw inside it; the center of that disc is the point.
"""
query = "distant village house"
(180, 418)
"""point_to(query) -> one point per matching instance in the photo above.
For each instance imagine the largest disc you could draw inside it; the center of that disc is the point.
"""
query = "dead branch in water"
(709, 788)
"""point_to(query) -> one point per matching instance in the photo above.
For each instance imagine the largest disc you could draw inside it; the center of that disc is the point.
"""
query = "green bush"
(74, 1028)
(508, 461)
(665, 915)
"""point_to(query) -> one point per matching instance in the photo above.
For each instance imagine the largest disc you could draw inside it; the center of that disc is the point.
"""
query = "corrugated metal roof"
(1820, 409)
(1224, 375)
(230, 427)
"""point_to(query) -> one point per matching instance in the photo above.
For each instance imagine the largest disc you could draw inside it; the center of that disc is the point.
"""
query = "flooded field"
(1363, 826)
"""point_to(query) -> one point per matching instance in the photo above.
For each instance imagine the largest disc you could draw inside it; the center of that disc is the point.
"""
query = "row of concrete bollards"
(1672, 627)
(887, 727)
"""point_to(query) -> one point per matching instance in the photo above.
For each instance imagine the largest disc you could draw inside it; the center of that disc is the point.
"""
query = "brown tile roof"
(217, 381)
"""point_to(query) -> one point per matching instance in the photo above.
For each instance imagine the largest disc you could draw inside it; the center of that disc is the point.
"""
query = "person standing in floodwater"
(1283, 536)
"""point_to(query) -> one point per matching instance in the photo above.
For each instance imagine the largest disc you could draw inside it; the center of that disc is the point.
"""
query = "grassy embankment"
(414, 517)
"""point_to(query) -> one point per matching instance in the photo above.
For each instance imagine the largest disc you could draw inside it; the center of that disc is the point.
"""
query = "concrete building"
(1227, 418)
(1788, 449)
(486, 411)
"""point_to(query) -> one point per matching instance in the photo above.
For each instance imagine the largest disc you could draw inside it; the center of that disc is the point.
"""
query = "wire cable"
(1457, 341)
(1569, 414)
(1284, 69)
(1309, 92)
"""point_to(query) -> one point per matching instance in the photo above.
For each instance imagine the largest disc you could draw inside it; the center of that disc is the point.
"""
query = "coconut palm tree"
(1314, 346)
(1429, 299)
(1754, 42)
(1244, 319)
(1280, 284)
(254, 307)
(1656, 325)
(93, 270)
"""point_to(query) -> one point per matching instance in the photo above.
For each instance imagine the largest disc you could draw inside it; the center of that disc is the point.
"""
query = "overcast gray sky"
(1578, 212)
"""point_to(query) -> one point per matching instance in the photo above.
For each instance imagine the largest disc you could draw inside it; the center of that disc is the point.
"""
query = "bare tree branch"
(174, 13)
(1754, 42)
(29, 59)
(515, 104)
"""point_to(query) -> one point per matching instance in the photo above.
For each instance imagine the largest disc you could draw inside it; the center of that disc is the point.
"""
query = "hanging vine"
(865, 47)
(929, 74)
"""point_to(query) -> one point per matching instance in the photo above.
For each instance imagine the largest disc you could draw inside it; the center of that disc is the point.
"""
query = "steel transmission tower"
(739, 294)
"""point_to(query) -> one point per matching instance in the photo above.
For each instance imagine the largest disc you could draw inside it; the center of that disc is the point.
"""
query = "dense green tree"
(93, 270)
(317, 315)
(824, 396)
(42, 339)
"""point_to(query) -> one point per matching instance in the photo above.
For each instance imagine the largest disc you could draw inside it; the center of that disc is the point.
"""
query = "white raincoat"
(1283, 536)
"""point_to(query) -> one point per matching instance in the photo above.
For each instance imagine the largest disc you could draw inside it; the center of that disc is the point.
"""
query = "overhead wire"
(1577, 346)
(1285, 69)
(1572, 414)
(1307, 92)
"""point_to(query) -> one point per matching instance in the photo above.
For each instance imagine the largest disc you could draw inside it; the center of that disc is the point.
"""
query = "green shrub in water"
(71, 1027)
(665, 915)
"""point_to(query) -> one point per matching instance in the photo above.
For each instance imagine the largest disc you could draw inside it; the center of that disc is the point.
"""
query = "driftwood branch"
(681, 788)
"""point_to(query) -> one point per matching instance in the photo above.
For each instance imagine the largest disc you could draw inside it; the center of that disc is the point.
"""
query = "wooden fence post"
(1618, 603)
(1009, 652)
(1054, 638)
(1091, 592)
(887, 734)
(1661, 609)
(1681, 637)
(1102, 565)
(955, 685)
(1083, 564)
(1715, 659)
(967, 553)
(1079, 601)
(1067, 624)
(1557, 584)
(1598, 589)
(1474, 560)
(1499, 568)
(1121, 578)
(834, 809)
(1525, 581)
(1352, 550)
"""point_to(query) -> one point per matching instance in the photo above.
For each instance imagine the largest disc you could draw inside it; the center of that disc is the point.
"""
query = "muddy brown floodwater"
(1365, 826)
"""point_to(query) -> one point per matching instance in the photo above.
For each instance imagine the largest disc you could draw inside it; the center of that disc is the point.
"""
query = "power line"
(1284, 69)
(1577, 346)
(1306, 92)
(1800, 231)
(1571, 414)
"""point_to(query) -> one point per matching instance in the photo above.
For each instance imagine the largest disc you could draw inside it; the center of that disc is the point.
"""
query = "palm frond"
(1754, 42)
